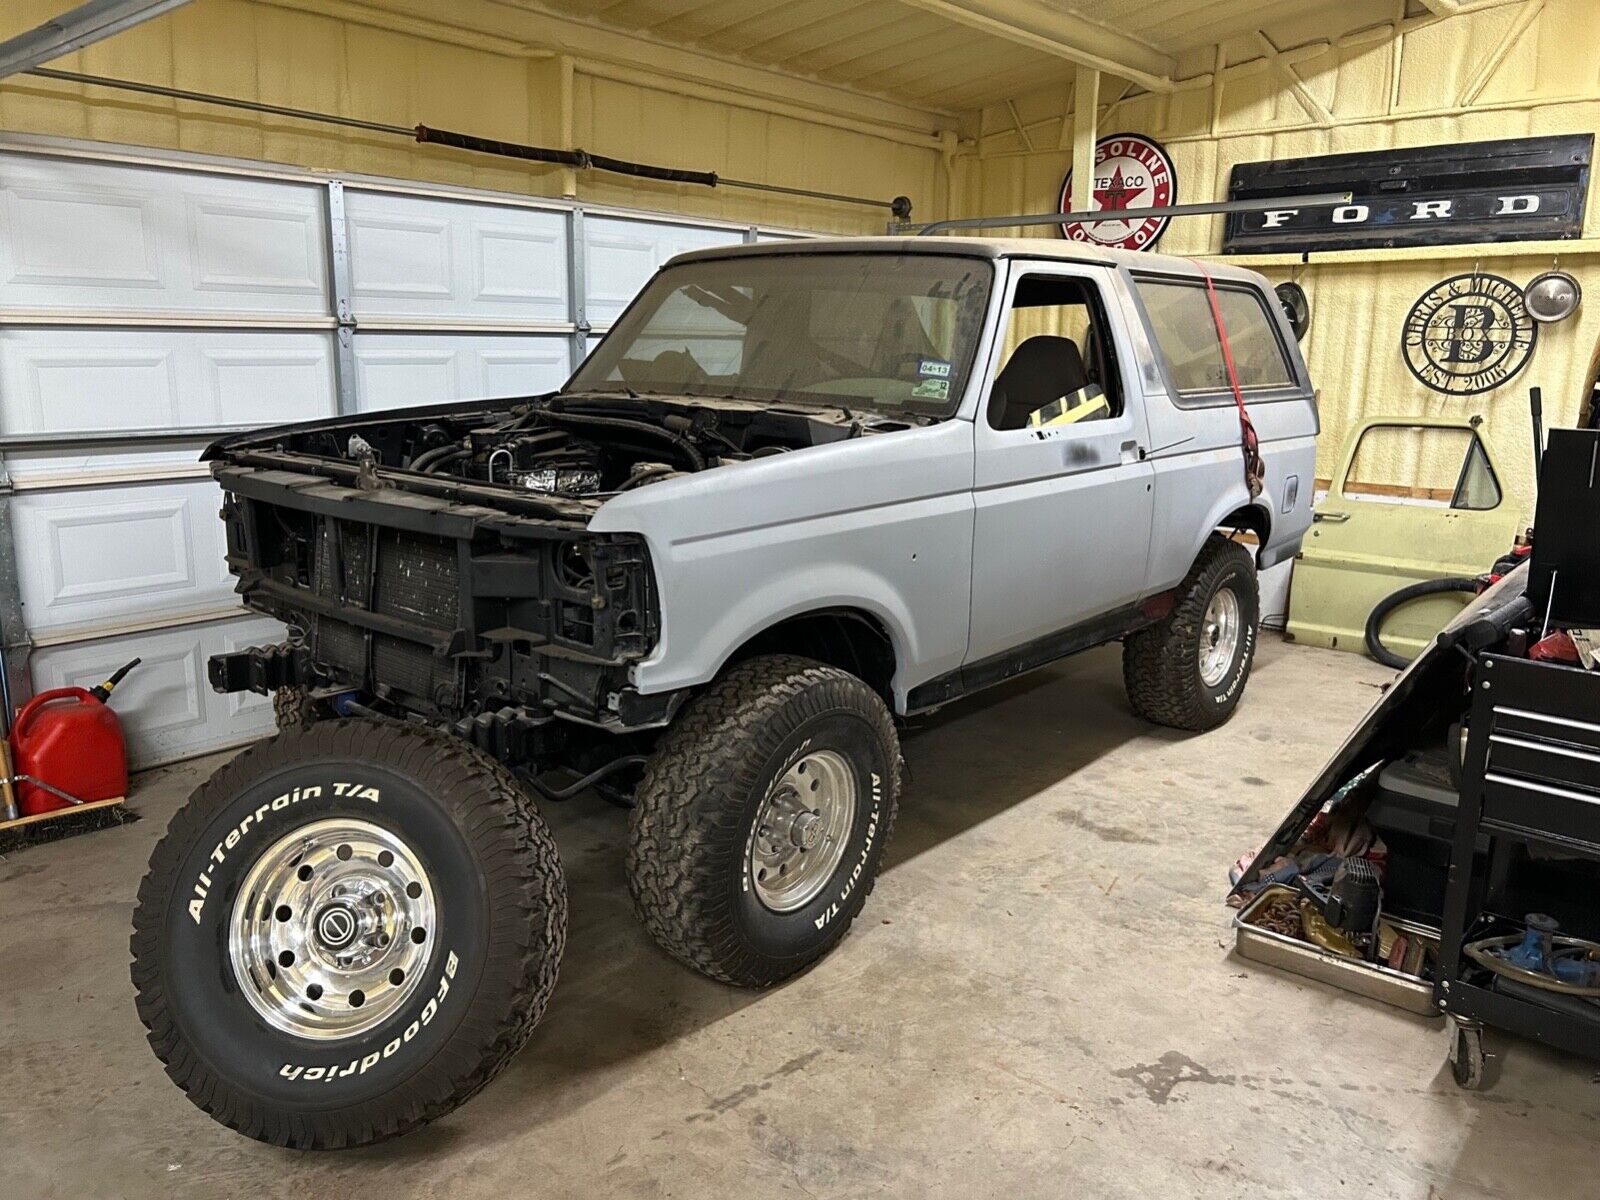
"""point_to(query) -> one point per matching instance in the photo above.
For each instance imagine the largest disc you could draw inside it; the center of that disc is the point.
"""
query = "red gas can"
(73, 741)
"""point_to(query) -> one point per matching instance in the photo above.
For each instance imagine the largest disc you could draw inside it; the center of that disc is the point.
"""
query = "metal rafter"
(82, 26)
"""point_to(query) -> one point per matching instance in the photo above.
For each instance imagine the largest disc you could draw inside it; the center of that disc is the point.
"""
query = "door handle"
(1333, 518)
(1134, 449)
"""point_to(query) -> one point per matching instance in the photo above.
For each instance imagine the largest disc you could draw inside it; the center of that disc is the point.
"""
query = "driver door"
(1062, 494)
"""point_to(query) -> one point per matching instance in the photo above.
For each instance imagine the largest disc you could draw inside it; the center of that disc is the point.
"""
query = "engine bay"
(578, 447)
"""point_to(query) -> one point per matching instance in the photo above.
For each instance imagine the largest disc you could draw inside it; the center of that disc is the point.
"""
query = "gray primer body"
(964, 541)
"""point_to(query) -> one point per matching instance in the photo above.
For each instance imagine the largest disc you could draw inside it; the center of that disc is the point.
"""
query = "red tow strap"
(1254, 470)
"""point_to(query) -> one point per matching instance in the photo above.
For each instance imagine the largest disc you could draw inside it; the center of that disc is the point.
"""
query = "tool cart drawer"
(1541, 766)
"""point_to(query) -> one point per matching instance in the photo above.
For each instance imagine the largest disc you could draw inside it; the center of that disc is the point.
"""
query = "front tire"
(762, 819)
(346, 932)
(1189, 670)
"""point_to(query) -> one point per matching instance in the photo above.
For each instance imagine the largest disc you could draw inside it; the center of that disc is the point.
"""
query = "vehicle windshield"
(872, 331)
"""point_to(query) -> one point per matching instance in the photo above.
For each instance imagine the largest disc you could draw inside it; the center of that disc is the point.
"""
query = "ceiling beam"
(1065, 35)
(540, 32)
(1315, 109)
(1456, 8)
(82, 26)
(1474, 88)
(1085, 133)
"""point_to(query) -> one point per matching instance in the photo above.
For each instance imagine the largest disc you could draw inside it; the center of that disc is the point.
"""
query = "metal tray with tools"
(1373, 980)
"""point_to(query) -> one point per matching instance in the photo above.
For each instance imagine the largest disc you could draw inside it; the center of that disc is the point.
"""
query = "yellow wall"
(1380, 96)
(1446, 80)
(281, 54)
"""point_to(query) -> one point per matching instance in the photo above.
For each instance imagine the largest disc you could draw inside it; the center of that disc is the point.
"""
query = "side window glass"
(1478, 490)
(1257, 353)
(1184, 328)
(1422, 465)
(1057, 364)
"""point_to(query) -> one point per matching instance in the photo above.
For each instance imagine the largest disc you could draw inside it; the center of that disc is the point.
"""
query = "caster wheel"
(1467, 1059)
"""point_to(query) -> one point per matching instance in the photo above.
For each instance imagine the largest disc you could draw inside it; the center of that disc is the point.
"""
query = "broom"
(60, 823)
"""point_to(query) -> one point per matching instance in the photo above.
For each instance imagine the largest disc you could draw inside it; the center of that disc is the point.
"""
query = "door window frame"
(1101, 279)
(1337, 485)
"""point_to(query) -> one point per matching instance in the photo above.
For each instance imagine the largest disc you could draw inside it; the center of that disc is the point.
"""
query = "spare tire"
(346, 932)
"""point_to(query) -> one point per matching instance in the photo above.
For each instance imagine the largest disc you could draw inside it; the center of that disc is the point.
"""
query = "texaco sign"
(1468, 334)
(1129, 172)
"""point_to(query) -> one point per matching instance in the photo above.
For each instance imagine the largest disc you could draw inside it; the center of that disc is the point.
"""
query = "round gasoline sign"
(1130, 171)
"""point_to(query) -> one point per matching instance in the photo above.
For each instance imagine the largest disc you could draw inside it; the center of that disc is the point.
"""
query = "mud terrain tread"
(1158, 664)
(528, 929)
(693, 794)
(292, 709)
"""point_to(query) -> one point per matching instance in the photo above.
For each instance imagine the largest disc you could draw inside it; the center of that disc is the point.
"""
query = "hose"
(638, 478)
(422, 461)
(622, 424)
(444, 460)
(1428, 587)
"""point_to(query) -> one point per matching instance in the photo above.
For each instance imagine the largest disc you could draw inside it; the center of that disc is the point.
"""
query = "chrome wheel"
(1219, 637)
(332, 929)
(801, 831)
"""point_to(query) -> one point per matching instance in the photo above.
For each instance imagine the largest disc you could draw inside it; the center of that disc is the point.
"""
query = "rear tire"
(346, 932)
(762, 819)
(1176, 672)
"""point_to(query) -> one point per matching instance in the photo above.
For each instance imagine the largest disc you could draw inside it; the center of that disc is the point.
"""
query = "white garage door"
(146, 308)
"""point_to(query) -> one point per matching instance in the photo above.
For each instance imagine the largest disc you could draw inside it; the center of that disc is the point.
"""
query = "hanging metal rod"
(1095, 216)
(90, 22)
(170, 93)
(581, 160)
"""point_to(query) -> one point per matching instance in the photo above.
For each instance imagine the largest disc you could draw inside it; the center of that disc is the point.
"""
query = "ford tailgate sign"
(1512, 190)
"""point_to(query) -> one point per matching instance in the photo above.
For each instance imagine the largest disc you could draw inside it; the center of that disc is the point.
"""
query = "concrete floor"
(1038, 1001)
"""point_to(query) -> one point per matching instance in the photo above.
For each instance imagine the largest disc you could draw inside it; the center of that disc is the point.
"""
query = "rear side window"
(1180, 318)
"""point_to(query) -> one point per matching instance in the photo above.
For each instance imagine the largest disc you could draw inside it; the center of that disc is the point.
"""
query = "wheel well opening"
(1247, 519)
(846, 638)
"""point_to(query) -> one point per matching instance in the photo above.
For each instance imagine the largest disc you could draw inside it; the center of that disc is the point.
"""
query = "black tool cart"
(1531, 784)
(1513, 951)
(1473, 789)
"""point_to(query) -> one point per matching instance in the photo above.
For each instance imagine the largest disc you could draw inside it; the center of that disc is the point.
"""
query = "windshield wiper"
(778, 405)
(619, 390)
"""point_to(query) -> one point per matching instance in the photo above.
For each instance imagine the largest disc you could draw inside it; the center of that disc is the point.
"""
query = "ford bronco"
(796, 494)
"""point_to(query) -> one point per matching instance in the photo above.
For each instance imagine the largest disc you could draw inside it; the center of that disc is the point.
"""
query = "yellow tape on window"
(1057, 412)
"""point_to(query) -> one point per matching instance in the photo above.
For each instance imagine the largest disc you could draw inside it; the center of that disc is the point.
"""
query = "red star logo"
(1116, 194)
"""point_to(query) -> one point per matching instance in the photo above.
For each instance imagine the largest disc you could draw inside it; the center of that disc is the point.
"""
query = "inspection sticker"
(932, 389)
(934, 368)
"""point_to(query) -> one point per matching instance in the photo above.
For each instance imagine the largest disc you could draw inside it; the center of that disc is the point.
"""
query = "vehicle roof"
(1057, 250)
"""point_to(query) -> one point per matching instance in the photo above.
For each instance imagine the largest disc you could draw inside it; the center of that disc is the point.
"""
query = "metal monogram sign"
(1511, 190)
(1129, 172)
(1468, 334)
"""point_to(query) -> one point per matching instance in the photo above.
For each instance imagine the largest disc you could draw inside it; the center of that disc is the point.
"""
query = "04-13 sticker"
(1468, 334)
(933, 380)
